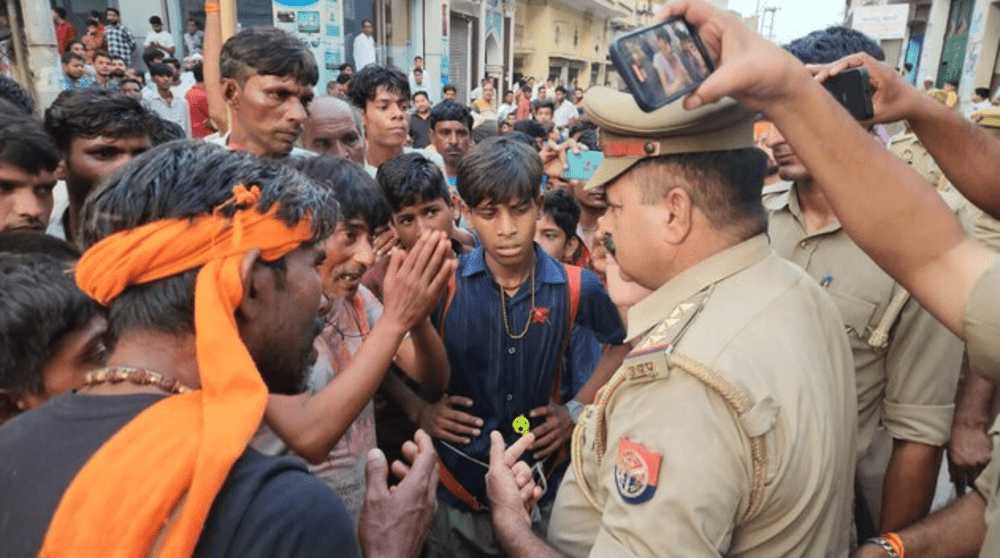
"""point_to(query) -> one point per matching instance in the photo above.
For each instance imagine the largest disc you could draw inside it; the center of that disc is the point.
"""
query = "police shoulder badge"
(637, 472)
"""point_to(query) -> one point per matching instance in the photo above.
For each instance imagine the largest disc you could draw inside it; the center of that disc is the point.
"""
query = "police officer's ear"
(676, 212)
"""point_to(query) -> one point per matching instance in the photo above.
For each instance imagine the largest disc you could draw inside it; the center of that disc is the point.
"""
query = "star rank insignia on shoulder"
(637, 471)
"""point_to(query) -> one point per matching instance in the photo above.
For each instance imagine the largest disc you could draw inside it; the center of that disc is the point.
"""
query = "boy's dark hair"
(130, 80)
(410, 179)
(31, 242)
(25, 145)
(69, 56)
(184, 180)
(163, 131)
(199, 72)
(173, 62)
(589, 138)
(500, 170)
(983, 92)
(93, 112)
(546, 103)
(12, 91)
(161, 70)
(564, 210)
(150, 55)
(523, 138)
(343, 79)
(532, 128)
(268, 51)
(450, 110)
(953, 83)
(116, 57)
(155, 20)
(418, 70)
(725, 185)
(526, 89)
(832, 44)
(102, 54)
(344, 66)
(421, 92)
(486, 129)
(40, 306)
(356, 192)
(115, 10)
(368, 80)
(447, 88)
(908, 67)
(561, 89)
(60, 11)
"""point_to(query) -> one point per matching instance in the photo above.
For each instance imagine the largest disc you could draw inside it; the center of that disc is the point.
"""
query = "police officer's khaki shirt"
(909, 385)
(981, 321)
(741, 446)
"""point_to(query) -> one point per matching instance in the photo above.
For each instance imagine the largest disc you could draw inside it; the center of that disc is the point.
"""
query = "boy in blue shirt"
(505, 324)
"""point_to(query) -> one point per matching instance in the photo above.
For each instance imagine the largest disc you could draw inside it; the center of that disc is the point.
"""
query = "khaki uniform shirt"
(907, 147)
(982, 337)
(729, 443)
(909, 385)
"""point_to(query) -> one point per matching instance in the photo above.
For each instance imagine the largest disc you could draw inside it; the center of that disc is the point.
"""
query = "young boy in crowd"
(505, 324)
(28, 163)
(51, 333)
(556, 229)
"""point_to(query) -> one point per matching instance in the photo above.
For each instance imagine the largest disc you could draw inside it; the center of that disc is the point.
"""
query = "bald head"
(335, 129)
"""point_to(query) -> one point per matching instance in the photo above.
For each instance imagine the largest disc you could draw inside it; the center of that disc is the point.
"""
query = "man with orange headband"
(206, 260)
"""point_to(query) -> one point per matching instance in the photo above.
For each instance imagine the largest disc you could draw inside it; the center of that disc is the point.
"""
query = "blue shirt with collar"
(508, 377)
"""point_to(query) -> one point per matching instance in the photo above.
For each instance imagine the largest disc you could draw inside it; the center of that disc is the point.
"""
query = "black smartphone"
(853, 90)
(661, 63)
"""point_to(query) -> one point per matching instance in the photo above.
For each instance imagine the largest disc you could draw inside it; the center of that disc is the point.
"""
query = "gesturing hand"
(968, 453)
(554, 432)
(509, 483)
(443, 421)
(394, 521)
(415, 280)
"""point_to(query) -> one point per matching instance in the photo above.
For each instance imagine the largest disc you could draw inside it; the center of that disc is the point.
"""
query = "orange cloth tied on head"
(185, 445)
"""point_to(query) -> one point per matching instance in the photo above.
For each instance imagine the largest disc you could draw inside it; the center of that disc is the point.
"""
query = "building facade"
(943, 40)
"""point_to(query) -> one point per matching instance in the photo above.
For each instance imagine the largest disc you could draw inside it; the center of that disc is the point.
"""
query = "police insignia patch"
(637, 472)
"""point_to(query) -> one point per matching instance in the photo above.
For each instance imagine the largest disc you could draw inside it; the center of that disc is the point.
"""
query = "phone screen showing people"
(661, 63)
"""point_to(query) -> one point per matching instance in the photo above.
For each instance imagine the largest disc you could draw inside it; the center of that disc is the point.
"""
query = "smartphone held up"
(661, 63)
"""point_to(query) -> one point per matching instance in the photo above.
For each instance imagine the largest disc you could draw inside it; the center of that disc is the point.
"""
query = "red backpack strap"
(452, 286)
(574, 280)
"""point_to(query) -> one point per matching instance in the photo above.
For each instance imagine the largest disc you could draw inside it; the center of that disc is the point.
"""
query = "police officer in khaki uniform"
(711, 439)
(906, 362)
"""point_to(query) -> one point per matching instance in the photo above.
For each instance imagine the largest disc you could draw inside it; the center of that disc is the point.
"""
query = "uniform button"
(510, 350)
(805, 243)
(509, 397)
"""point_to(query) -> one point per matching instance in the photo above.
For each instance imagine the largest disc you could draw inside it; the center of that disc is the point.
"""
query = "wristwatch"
(575, 408)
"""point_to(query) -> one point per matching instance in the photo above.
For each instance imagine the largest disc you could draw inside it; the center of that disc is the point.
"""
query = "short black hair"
(25, 144)
(410, 179)
(355, 190)
(268, 51)
(60, 11)
(907, 66)
(198, 71)
(344, 66)
(93, 112)
(832, 44)
(546, 103)
(110, 9)
(343, 79)
(170, 61)
(368, 80)
(725, 185)
(69, 56)
(953, 83)
(500, 170)
(532, 128)
(561, 89)
(448, 87)
(102, 54)
(33, 242)
(983, 92)
(421, 92)
(184, 180)
(40, 306)
(150, 55)
(523, 138)
(415, 70)
(564, 209)
(485, 129)
(163, 131)
(12, 91)
(155, 20)
(450, 110)
(526, 89)
(161, 70)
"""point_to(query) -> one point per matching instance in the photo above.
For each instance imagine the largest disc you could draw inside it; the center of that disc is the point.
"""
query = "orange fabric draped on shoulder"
(185, 445)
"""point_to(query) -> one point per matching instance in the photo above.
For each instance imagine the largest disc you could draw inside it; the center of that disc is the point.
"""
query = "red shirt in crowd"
(65, 32)
(198, 105)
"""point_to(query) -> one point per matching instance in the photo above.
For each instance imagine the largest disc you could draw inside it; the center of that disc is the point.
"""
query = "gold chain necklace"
(138, 376)
(503, 308)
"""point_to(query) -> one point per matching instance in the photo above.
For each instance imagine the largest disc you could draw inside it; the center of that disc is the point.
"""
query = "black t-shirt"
(268, 506)
(420, 130)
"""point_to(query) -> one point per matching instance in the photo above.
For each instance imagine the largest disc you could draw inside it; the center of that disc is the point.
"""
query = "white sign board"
(882, 22)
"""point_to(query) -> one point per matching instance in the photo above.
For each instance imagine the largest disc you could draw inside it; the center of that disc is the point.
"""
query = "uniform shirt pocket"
(856, 313)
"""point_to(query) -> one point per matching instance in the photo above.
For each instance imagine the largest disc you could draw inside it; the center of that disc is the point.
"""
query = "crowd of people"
(222, 344)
